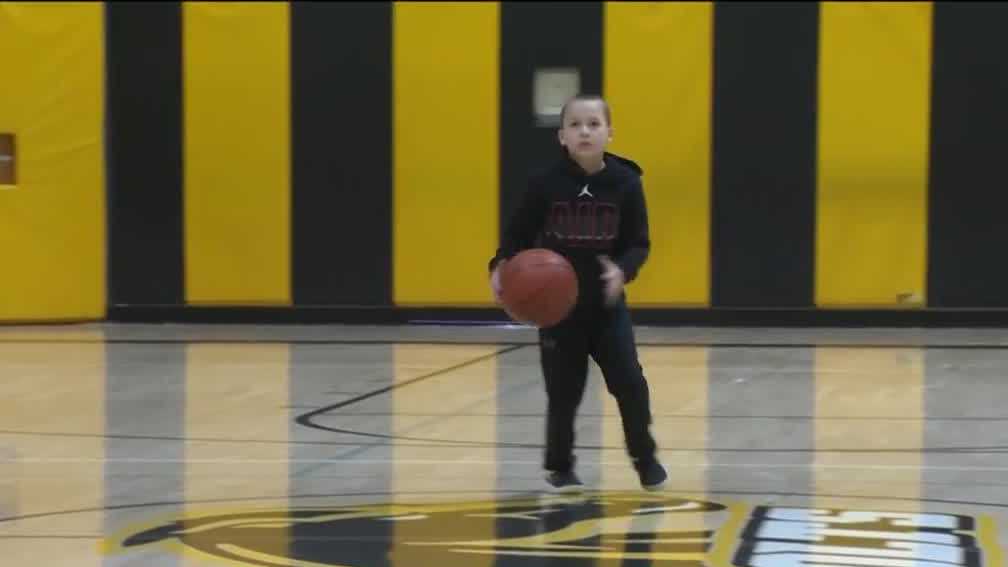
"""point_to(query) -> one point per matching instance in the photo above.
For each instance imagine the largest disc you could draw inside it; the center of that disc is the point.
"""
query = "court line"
(467, 445)
(395, 439)
(176, 438)
(686, 416)
(364, 447)
(526, 493)
(485, 462)
(449, 342)
(305, 419)
(52, 537)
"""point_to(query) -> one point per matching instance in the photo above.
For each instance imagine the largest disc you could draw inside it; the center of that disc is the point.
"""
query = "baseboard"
(717, 317)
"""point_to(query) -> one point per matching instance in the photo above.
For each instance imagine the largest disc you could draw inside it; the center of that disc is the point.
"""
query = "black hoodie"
(581, 217)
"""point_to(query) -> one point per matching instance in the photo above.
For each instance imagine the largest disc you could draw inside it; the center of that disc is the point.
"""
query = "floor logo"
(792, 537)
(644, 529)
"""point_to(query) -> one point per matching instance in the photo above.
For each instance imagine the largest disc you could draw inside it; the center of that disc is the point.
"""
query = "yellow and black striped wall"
(331, 160)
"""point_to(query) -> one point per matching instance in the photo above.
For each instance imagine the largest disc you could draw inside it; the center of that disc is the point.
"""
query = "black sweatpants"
(606, 335)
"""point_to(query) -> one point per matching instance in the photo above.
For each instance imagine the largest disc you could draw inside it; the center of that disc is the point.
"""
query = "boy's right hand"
(495, 284)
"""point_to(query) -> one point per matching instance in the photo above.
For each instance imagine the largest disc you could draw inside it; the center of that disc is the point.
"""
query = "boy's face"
(585, 131)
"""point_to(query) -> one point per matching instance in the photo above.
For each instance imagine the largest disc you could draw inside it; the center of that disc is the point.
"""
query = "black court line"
(175, 438)
(448, 342)
(517, 494)
(364, 447)
(453, 443)
(441, 444)
(52, 537)
(305, 419)
(685, 417)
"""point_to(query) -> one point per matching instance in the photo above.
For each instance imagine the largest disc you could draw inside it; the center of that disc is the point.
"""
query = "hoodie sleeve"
(524, 225)
(635, 239)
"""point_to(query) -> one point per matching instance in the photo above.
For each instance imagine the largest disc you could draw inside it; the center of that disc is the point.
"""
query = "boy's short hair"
(587, 97)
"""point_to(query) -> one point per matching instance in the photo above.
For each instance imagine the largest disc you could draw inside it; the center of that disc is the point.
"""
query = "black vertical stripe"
(145, 415)
(341, 137)
(764, 154)
(315, 468)
(967, 201)
(737, 410)
(537, 35)
(144, 153)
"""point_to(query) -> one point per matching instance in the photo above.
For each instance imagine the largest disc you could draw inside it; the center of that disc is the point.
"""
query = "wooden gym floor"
(420, 446)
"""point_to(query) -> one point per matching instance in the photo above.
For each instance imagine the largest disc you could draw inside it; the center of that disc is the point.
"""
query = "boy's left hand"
(613, 277)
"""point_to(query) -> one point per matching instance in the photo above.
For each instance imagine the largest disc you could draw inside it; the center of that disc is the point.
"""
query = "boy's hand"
(495, 284)
(613, 277)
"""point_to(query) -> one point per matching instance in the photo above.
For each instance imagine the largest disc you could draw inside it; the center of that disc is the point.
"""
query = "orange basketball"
(538, 287)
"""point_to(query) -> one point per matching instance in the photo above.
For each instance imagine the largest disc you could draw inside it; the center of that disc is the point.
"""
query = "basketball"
(539, 287)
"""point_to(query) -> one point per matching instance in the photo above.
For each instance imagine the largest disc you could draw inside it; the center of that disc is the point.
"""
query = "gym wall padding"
(967, 230)
(763, 154)
(52, 222)
(445, 148)
(661, 117)
(341, 152)
(311, 156)
(144, 153)
(871, 192)
(236, 96)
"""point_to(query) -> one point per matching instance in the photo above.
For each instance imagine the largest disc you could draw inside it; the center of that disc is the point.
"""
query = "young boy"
(589, 207)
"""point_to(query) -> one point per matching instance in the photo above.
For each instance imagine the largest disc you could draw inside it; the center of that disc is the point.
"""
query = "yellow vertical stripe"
(874, 85)
(237, 392)
(457, 404)
(60, 392)
(237, 152)
(871, 400)
(52, 223)
(446, 151)
(679, 409)
(657, 74)
(679, 415)
(454, 405)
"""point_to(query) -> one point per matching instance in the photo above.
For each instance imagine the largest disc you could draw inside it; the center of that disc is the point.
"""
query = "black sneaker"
(652, 476)
(564, 482)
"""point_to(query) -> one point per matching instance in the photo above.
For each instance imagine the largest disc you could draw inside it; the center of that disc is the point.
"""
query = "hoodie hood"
(627, 163)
